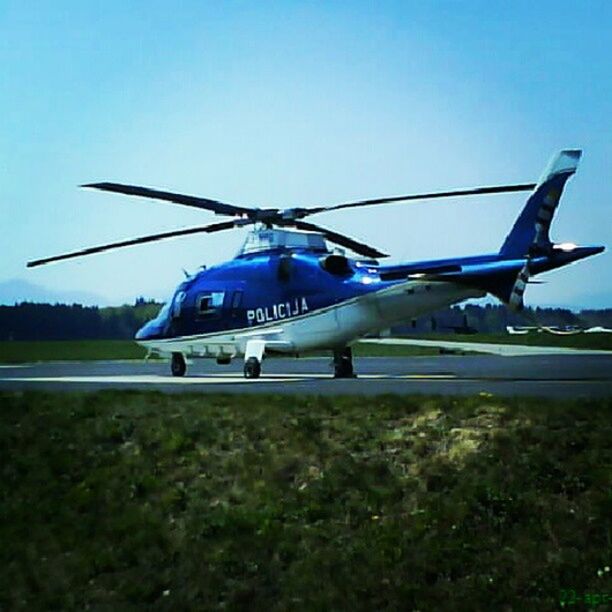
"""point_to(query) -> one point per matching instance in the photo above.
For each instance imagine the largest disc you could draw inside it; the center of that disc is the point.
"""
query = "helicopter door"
(233, 305)
(236, 303)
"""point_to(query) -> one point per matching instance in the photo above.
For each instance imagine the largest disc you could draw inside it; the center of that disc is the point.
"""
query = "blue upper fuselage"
(279, 284)
(259, 288)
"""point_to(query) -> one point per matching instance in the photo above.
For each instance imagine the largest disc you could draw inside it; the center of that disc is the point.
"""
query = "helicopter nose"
(148, 331)
(142, 333)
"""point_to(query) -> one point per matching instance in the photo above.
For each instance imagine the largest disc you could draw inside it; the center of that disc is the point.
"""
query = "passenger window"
(209, 305)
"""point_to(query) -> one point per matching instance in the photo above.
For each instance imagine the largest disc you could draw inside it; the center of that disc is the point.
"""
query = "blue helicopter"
(286, 292)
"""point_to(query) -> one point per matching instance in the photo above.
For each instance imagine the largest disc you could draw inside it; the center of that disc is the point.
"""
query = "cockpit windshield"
(172, 306)
(164, 311)
(266, 239)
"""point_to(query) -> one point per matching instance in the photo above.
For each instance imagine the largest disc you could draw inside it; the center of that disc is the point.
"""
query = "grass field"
(87, 350)
(133, 500)
(601, 341)
(69, 350)
(90, 350)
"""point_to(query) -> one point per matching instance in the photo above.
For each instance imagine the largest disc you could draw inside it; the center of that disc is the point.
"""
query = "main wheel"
(178, 365)
(252, 368)
(343, 363)
(344, 370)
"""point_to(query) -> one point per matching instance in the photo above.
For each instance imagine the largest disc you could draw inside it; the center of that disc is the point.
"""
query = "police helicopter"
(286, 292)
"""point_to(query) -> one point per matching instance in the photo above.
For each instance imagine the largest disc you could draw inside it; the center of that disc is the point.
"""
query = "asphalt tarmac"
(556, 376)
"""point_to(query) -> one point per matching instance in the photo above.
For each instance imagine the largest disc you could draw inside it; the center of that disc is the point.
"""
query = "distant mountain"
(17, 290)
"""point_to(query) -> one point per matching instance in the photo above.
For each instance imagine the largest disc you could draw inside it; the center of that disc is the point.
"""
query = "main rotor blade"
(208, 229)
(358, 247)
(217, 207)
(424, 196)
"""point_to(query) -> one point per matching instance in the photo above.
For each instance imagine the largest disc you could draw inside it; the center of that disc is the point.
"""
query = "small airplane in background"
(286, 292)
(563, 330)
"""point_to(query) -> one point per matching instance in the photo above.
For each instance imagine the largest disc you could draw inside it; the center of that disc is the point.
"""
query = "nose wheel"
(178, 365)
(253, 356)
(252, 368)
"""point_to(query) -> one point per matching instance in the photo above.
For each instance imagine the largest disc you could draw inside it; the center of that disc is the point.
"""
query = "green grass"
(89, 350)
(69, 350)
(133, 500)
(601, 341)
(379, 350)
(86, 350)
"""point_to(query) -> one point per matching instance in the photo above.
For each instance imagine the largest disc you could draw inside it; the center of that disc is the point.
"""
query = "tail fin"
(533, 224)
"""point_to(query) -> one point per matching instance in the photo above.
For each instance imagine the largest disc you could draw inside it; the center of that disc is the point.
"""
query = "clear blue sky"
(285, 104)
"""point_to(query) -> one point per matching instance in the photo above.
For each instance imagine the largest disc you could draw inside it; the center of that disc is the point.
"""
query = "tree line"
(495, 318)
(29, 321)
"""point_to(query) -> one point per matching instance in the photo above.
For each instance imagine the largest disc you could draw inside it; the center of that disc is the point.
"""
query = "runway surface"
(550, 376)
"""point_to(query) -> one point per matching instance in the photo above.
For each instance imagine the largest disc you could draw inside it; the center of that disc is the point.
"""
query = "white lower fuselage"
(327, 328)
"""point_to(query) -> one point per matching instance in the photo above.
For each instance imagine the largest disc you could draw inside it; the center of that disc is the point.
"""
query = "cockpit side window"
(177, 304)
(209, 305)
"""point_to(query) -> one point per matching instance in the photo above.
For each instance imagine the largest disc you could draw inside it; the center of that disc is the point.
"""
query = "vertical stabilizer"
(531, 229)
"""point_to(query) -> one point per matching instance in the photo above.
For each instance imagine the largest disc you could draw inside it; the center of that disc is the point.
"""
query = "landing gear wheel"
(343, 363)
(178, 365)
(252, 368)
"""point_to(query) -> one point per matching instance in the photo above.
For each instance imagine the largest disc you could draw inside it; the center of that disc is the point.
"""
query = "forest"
(32, 321)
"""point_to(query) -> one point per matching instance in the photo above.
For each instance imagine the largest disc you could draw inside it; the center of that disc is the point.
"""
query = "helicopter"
(287, 292)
